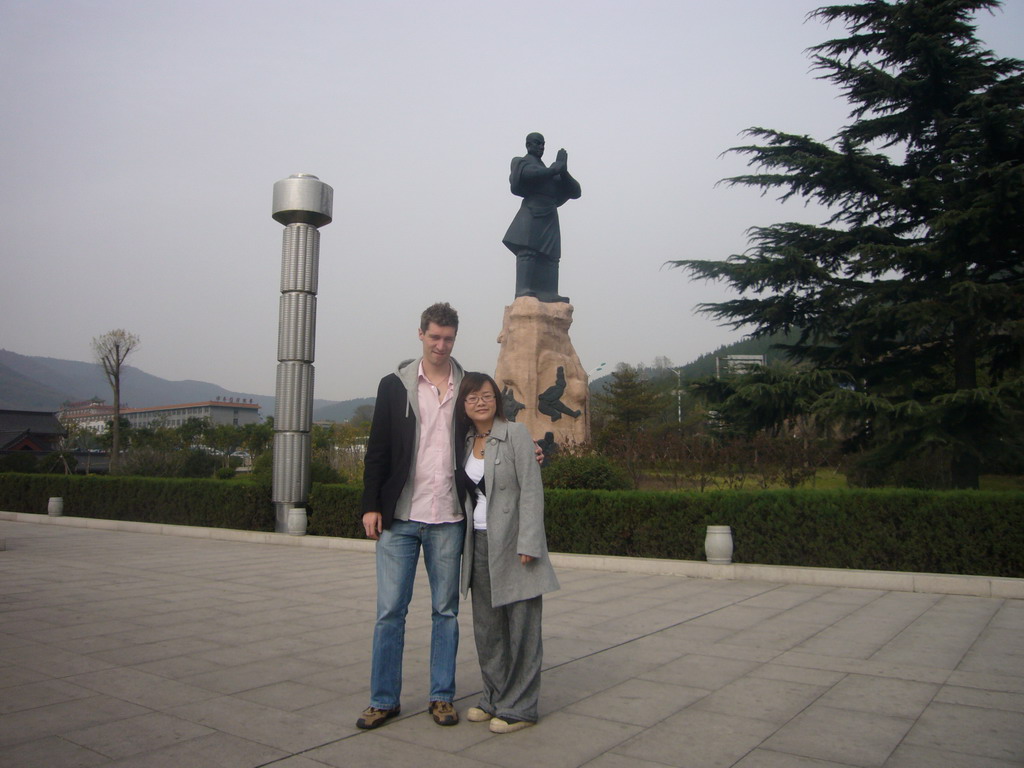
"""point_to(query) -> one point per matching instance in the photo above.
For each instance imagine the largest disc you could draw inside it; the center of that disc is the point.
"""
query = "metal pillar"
(302, 203)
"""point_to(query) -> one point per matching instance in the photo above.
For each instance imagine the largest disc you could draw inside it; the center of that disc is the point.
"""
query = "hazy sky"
(141, 141)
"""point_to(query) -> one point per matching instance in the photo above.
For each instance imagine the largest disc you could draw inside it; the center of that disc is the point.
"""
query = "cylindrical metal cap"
(303, 199)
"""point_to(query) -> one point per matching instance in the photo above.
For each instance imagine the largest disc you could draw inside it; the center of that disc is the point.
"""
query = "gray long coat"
(515, 518)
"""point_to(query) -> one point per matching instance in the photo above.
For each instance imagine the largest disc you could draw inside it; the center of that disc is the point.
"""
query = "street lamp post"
(303, 204)
(679, 394)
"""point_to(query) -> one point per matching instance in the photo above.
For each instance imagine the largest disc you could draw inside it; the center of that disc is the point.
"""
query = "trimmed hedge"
(334, 511)
(172, 501)
(962, 532)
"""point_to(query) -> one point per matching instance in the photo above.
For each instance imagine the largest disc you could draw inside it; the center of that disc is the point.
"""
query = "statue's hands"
(560, 161)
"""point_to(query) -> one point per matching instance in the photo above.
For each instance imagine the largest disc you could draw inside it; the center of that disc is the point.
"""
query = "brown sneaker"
(375, 718)
(443, 713)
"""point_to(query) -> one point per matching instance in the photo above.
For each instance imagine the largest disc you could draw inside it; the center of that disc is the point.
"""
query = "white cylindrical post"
(718, 544)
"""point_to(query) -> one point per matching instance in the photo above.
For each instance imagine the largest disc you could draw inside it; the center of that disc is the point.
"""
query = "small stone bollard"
(55, 506)
(718, 544)
(296, 523)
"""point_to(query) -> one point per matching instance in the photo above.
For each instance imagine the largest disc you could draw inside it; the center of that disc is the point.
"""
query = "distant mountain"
(45, 383)
(340, 411)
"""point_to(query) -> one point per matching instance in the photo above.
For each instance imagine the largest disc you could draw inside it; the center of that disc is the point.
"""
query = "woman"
(505, 558)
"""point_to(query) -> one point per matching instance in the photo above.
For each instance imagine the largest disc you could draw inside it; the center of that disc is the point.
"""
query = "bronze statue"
(534, 236)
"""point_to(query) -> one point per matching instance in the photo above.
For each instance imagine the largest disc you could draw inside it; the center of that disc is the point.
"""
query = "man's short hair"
(441, 314)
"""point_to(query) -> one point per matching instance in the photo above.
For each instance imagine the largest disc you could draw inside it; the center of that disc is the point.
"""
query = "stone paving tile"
(63, 717)
(696, 739)
(297, 761)
(612, 760)
(256, 674)
(288, 695)
(145, 652)
(765, 758)
(776, 634)
(786, 596)
(276, 728)
(841, 736)
(690, 637)
(697, 671)
(821, 677)
(373, 748)
(863, 667)
(143, 688)
(134, 735)
(563, 740)
(735, 617)
(640, 670)
(40, 694)
(218, 749)
(55, 662)
(177, 667)
(975, 697)
(725, 650)
(881, 695)
(969, 730)
(776, 701)
(1013, 683)
(639, 702)
(11, 675)
(911, 756)
(50, 752)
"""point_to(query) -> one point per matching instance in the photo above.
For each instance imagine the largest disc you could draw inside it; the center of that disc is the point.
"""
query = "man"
(534, 235)
(409, 502)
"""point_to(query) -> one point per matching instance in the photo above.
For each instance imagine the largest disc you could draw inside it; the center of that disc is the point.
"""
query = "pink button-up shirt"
(433, 491)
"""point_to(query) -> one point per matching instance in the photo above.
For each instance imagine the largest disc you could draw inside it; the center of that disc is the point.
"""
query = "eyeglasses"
(476, 399)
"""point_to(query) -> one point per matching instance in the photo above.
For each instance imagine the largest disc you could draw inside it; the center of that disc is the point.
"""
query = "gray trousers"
(508, 645)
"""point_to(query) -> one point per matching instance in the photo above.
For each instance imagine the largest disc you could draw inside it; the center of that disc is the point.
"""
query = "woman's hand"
(524, 559)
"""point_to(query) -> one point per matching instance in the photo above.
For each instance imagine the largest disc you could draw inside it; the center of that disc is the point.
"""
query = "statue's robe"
(535, 226)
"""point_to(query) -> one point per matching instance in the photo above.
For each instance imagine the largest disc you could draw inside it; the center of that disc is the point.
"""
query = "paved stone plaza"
(125, 648)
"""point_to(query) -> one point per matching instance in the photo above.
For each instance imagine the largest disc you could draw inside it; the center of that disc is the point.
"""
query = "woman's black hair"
(473, 381)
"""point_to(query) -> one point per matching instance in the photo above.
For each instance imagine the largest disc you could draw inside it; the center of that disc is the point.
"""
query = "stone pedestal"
(542, 381)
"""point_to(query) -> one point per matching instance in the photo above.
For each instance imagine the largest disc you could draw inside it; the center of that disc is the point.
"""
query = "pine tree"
(914, 285)
(630, 399)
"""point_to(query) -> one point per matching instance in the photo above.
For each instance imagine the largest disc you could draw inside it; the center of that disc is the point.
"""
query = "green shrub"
(173, 501)
(963, 532)
(926, 469)
(225, 473)
(324, 473)
(197, 464)
(18, 461)
(334, 511)
(585, 473)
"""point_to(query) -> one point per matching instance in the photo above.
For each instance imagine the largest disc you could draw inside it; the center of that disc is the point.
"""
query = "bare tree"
(111, 350)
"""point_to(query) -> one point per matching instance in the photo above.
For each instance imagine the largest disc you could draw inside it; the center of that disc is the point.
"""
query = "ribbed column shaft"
(296, 348)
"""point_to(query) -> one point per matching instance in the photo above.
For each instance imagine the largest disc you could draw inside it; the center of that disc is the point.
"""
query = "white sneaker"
(502, 726)
(477, 715)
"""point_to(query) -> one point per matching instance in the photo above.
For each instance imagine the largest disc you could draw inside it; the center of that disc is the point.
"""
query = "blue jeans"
(398, 552)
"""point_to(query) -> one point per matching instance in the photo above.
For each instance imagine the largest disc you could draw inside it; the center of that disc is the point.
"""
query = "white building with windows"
(234, 411)
(95, 415)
